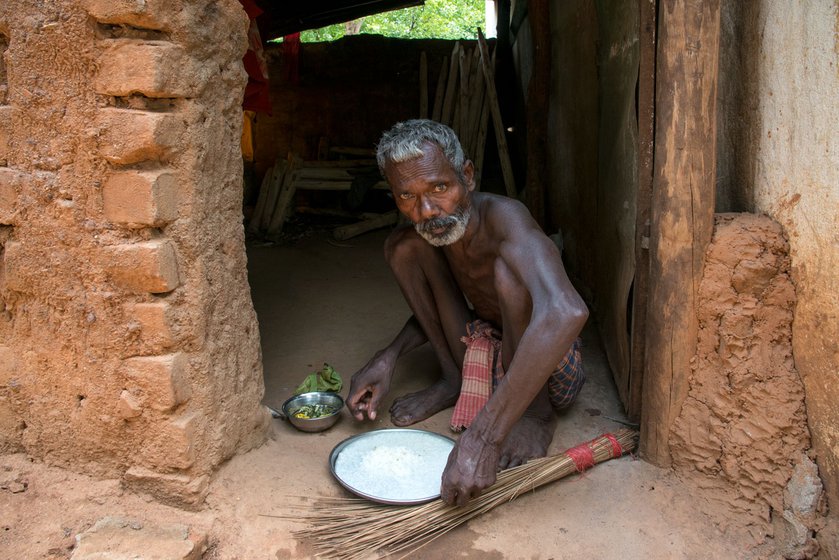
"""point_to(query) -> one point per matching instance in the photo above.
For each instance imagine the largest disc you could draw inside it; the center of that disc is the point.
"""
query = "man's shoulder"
(501, 208)
(498, 202)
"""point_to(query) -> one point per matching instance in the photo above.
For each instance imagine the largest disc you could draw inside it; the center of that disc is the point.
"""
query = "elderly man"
(489, 293)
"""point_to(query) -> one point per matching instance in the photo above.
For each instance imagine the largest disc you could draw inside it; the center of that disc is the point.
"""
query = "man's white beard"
(455, 228)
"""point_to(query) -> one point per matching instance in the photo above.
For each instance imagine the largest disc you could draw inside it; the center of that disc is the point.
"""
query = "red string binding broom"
(351, 528)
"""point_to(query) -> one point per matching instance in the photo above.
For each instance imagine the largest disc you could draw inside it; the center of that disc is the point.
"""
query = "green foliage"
(437, 19)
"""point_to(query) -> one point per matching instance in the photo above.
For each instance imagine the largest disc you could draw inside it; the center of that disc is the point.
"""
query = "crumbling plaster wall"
(778, 153)
(128, 342)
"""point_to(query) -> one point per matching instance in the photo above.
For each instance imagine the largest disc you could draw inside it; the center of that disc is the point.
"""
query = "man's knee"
(404, 246)
(566, 382)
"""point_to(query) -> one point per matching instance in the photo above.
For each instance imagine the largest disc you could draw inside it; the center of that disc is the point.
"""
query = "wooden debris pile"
(282, 181)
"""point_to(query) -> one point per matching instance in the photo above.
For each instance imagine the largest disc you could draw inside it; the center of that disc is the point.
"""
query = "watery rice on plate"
(397, 466)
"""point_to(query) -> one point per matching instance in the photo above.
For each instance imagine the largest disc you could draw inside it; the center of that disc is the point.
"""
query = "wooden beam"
(682, 214)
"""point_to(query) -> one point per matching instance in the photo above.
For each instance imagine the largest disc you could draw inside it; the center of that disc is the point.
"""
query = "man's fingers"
(373, 404)
(363, 400)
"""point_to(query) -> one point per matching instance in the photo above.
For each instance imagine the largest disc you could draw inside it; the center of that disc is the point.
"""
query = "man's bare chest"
(475, 276)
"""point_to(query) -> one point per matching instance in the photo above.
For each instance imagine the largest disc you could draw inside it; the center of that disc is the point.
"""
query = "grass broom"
(352, 528)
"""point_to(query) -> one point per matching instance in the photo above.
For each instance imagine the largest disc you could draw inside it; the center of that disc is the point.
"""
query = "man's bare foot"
(418, 406)
(529, 439)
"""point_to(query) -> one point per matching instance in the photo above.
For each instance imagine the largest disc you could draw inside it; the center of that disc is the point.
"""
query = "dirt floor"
(322, 301)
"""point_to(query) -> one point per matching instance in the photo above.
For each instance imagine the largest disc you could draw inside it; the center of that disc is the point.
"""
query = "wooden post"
(538, 105)
(682, 215)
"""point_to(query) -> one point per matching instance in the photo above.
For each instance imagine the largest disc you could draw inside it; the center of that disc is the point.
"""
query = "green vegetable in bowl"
(312, 411)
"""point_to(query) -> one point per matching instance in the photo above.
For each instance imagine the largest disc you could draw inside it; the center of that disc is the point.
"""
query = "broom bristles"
(350, 528)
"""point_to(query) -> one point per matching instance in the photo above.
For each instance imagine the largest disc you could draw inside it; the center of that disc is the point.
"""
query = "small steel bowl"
(317, 397)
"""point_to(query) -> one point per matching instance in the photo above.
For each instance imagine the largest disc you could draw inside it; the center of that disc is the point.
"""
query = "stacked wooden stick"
(464, 99)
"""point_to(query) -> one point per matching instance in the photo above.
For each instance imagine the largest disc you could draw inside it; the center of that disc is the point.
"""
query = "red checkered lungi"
(482, 370)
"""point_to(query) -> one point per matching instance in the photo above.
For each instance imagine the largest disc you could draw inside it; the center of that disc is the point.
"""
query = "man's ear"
(469, 174)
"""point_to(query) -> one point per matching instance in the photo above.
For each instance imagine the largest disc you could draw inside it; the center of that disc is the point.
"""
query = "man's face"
(430, 193)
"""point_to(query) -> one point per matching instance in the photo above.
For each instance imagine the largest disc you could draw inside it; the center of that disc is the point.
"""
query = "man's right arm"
(371, 383)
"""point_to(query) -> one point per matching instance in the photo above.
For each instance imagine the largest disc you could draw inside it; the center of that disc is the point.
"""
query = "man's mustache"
(438, 223)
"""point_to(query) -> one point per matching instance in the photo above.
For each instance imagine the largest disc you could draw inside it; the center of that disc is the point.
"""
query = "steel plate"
(397, 438)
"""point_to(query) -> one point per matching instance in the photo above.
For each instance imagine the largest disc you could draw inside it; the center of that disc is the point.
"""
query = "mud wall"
(778, 148)
(128, 342)
(743, 424)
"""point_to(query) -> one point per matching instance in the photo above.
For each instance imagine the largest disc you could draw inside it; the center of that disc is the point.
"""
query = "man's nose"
(428, 209)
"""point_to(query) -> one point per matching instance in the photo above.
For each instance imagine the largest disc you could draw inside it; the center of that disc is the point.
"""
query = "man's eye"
(406, 196)
(440, 188)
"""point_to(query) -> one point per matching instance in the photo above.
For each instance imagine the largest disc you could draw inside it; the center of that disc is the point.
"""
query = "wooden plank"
(256, 217)
(441, 90)
(476, 104)
(423, 80)
(616, 183)
(351, 151)
(326, 173)
(321, 185)
(483, 127)
(323, 148)
(285, 198)
(280, 172)
(682, 208)
(495, 110)
(340, 163)
(328, 212)
(641, 285)
(463, 99)
(352, 230)
(448, 100)
(538, 97)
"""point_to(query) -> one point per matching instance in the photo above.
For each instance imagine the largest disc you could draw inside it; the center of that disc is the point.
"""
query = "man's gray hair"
(405, 141)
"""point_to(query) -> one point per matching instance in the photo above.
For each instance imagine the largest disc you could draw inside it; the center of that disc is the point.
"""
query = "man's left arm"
(558, 315)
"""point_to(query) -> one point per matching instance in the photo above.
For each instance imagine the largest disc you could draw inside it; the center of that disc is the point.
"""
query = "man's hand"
(368, 387)
(471, 468)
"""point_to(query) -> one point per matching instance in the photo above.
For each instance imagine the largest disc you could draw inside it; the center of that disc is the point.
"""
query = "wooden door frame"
(681, 189)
